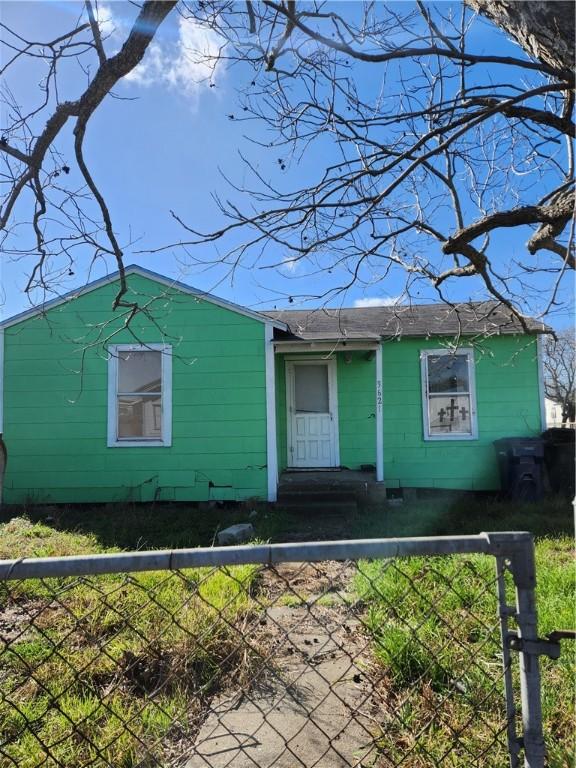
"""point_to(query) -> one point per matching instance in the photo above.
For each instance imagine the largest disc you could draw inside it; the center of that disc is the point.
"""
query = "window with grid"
(449, 401)
(139, 401)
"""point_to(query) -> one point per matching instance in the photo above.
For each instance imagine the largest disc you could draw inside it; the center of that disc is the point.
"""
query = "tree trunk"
(544, 29)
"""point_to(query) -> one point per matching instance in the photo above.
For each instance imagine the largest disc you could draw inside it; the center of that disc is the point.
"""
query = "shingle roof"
(484, 318)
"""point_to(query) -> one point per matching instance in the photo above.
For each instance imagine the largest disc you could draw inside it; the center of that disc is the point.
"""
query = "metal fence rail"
(391, 652)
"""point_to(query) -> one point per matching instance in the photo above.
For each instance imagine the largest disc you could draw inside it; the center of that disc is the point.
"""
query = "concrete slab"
(308, 710)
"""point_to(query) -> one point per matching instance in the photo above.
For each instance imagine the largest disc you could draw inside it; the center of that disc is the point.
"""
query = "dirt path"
(311, 703)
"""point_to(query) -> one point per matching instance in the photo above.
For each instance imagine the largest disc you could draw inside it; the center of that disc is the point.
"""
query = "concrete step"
(299, 489)
(349, 481)
(316, 494)
(326, 488)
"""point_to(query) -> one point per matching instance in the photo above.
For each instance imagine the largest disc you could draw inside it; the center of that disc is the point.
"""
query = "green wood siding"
(55, 402)
(507, 402)
(281, 425)
(357, 410)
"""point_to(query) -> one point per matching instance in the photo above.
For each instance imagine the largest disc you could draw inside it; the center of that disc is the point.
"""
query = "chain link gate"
(314, 654)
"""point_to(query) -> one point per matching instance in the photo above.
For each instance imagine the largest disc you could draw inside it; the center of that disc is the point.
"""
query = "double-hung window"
(139, 395)
(448, 394)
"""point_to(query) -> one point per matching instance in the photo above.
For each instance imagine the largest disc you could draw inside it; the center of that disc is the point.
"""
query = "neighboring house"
(202, 399)
(554, 415)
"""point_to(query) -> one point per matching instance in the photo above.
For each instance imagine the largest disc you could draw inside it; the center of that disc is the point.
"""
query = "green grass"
(86, 656)
(465, 514)
(139, 526)
(436, 639)
(23, 538)
(166, 526)
(187, 661)
(423, 671)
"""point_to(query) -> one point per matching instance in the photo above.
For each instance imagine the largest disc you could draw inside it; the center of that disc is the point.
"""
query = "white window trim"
(113, 352)
(469, 352)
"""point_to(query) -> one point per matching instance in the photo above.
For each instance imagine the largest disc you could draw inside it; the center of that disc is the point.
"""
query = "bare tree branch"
(415, 169)
(110, 71)
(95, 32)
(405, 53)
(561, 123)
(554, 216)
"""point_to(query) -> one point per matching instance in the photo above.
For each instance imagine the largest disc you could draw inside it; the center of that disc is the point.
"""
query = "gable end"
(134, 269)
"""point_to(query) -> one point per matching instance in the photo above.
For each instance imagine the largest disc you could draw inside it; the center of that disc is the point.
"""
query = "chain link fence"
(376, 653)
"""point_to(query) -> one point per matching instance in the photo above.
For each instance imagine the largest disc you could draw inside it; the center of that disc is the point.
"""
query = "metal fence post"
(523, 569)
(505, 611)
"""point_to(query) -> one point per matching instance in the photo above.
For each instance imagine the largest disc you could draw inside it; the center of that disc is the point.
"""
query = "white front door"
(312, 413)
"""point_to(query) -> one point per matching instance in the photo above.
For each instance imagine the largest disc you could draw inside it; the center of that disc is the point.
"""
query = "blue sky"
(164, 146)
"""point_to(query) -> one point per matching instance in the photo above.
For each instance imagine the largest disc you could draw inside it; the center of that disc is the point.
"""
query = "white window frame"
(166, 396)
(469, 352)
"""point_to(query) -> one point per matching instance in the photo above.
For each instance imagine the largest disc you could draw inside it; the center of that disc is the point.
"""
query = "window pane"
(140, 417)
(448, 373)
(311, 387)
(448, 414)
(139, 371)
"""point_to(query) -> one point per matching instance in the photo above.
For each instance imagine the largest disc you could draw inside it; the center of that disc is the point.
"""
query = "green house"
(197, 398)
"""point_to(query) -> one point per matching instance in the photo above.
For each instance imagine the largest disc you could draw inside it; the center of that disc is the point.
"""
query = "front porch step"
(298, 496)
(318, 500)
(306, 505)
(343, 490)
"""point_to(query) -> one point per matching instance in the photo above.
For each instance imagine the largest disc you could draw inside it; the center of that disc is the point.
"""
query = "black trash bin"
(559, 449)
(520, 461)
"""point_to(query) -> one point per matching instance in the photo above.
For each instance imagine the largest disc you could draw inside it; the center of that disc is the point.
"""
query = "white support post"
(379, 418)
(1, 381)
(2, 449)
(271, 447)
(541, 387)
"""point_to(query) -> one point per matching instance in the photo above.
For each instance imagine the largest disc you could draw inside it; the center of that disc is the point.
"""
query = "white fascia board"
(325, 346)
(135, 269)
(170, 283)
(63, 299)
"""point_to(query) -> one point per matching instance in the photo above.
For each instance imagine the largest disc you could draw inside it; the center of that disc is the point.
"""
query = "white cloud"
(151, 69)
(378, 301)
(105, 18)
(183, 65)
(290, 264)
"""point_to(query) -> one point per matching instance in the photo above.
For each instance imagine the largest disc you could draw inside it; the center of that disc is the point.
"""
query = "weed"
(98, 670)
(435, 632)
